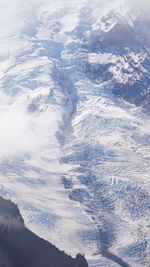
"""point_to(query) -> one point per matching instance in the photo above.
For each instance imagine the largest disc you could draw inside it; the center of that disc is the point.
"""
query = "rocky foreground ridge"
(19, 247)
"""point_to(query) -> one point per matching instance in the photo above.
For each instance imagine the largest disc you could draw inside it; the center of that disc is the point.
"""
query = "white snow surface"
(55, 123)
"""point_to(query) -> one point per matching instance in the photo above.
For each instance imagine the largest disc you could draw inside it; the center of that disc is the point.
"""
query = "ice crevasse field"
(75, 125)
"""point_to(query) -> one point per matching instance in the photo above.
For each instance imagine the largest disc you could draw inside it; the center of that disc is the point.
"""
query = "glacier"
(75, 134)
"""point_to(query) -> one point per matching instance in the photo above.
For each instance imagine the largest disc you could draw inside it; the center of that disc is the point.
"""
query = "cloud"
(140, 7)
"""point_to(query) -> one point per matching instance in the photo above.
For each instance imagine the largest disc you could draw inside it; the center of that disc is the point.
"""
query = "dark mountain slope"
(19, 247)
(123, 58)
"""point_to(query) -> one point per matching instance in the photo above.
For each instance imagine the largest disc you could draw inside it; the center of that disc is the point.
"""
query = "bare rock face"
(19, 247)
(124, 58)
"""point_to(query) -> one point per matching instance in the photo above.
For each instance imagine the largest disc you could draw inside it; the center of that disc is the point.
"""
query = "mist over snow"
(140, 6)
(74, 140)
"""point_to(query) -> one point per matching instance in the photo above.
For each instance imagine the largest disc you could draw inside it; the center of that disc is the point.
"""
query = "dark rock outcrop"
(19, 247)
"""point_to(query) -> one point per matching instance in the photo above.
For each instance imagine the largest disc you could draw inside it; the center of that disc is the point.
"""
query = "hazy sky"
(141, 6)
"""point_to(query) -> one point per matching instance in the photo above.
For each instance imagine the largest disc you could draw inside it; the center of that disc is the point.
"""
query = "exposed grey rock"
(19, 247)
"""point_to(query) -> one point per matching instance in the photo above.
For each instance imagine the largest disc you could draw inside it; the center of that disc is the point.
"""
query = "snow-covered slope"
(74, 77)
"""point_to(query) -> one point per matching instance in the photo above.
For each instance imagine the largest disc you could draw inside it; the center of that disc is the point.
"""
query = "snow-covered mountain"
(75, 135)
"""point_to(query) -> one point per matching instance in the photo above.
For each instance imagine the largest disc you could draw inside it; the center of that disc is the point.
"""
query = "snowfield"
(74, 125)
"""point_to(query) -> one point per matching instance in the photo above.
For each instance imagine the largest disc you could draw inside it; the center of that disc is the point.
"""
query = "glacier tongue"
(74, 157)
(37, 102)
